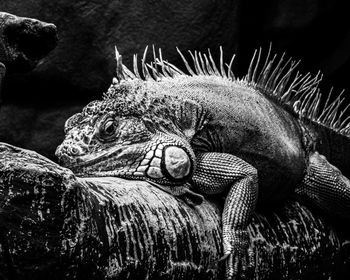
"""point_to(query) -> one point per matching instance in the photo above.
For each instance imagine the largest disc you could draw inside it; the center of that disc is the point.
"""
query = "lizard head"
(130, 133)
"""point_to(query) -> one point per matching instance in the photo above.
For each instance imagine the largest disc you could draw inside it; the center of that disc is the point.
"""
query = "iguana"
(261, 138)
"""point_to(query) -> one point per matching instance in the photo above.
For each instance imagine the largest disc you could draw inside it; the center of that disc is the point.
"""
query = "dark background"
(35, 105)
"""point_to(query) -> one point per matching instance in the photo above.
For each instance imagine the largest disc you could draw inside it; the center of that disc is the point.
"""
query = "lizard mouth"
(175, 164)
(79, 163)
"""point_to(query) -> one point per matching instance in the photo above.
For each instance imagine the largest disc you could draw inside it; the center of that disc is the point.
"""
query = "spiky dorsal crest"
(275, 76)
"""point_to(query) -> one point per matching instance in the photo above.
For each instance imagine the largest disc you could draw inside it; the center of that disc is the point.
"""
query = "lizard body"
(253, 139)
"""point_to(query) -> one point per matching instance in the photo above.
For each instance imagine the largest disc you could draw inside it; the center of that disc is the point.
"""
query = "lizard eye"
(108, 130)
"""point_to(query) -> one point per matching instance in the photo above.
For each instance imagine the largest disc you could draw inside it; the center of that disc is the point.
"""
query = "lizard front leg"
(219, 173)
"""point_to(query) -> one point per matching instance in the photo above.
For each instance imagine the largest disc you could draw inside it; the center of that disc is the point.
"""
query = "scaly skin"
(207, 132)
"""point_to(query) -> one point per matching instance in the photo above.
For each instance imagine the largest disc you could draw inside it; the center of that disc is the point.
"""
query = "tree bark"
(54, 225)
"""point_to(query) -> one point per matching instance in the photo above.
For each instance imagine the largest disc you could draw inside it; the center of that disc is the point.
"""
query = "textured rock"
(23, 41)
(54, 225)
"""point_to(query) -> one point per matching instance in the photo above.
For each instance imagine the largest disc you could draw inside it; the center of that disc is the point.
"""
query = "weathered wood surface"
(54, 225)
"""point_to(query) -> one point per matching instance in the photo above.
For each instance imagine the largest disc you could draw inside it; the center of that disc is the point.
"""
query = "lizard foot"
(237, 254)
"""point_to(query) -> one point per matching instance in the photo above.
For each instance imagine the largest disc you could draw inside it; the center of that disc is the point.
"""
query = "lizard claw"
(238, 256)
